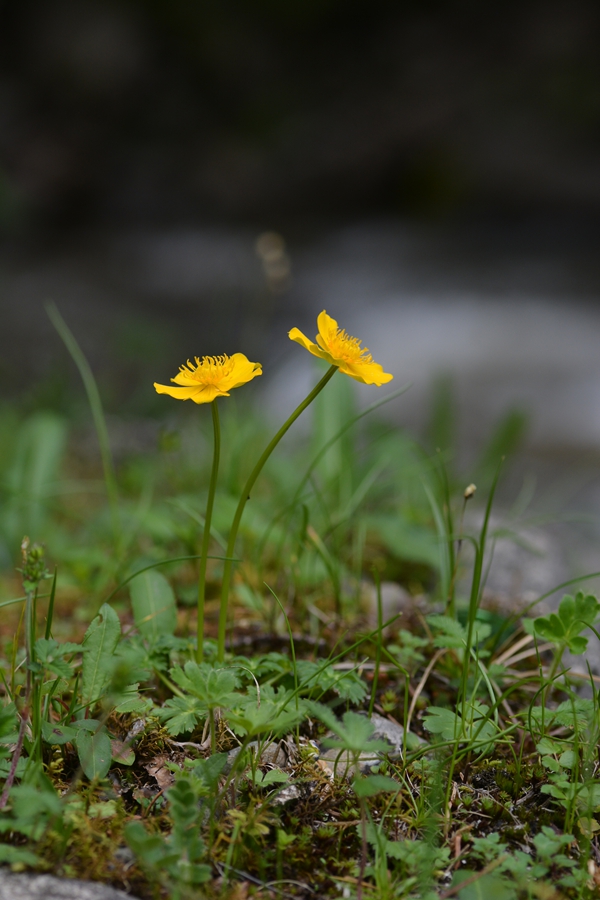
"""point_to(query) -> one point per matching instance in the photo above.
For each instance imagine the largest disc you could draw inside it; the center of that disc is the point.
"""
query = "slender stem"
(245, 496)
(213, 730)
(206, 534)
(93, 395)
(15, 760)
(379, 640)
(26, 711)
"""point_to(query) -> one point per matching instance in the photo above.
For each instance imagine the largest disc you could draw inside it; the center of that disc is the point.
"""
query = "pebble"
(339, 762)
(47, 887)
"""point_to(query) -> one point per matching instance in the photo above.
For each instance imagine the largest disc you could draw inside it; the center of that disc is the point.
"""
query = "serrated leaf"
(100, 642)
(268, 718)
(547, 746)
(95, 753)
(451, 727)
(181, 714)
(574, 615)
(452, 632)
(153, 603)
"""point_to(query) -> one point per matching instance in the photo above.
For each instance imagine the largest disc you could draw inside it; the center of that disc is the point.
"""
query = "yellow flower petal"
(339, 349)
(199, 393)
(368, 373)
(210, 377)
(296, 335)
(242, 372)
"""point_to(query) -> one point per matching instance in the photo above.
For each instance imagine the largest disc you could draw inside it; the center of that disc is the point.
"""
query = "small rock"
(394, 600)
(386, 730)
(291, 792)
(277, 753)
(47, 887)
(339, 762)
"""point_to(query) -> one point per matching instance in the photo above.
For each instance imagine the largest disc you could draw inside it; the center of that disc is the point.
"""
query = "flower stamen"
(340, 349)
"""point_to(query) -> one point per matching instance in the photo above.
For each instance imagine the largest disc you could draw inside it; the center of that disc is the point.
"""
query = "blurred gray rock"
(47, 887)
(395, 600)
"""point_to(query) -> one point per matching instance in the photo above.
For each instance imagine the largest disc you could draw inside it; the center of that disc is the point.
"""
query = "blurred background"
(184, 178)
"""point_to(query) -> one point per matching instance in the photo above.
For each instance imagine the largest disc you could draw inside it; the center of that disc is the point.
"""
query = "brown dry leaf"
(239, 891)
(158, 770)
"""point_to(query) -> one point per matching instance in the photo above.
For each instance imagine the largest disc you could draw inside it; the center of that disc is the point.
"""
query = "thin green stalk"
(213, 730)
(25, 714)
(50, 613)
(379, 641)
(245, 496)
(33, 679)
(475, 597)
(292, 647)
(206, 533)
(93, 395)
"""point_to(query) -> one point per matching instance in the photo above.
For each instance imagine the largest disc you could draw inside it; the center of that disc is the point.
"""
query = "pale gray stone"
(47, 887)
(340, 761)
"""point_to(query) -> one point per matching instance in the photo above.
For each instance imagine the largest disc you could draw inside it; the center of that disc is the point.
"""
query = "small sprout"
(34, 565)
(469, 491)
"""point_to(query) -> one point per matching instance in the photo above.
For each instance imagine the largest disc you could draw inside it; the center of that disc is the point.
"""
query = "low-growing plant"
(139, 747)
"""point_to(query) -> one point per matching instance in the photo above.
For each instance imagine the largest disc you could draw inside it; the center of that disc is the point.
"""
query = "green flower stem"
(206, 534)
(245, 496)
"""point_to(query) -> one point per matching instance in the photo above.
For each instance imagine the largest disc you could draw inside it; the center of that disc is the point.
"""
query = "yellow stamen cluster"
(209, 369)
(343, 346)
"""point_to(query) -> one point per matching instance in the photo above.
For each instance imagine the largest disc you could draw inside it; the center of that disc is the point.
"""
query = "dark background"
(165, 111)
(145, 145)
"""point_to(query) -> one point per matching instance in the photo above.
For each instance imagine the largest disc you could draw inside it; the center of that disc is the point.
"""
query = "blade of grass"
(50, 613)
(95, 402)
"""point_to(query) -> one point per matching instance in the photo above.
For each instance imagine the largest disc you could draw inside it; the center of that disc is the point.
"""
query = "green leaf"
(452, 632)
(370, 785)
(574, 615)
(181, 714)
(213, 687)
(53, 733)
(315, 676)
(153, 603)
(354, 732)
(444, 722)
(488, 887)
(405, 538)
(209, 770)
(273, 776)
(10, 855)
(51, 655)
(95, 753)
(451, 727)
(269, 717)
(99, 644)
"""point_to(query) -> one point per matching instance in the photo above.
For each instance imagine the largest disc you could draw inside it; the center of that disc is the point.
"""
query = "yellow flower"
(341, 350)
(211, 377)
